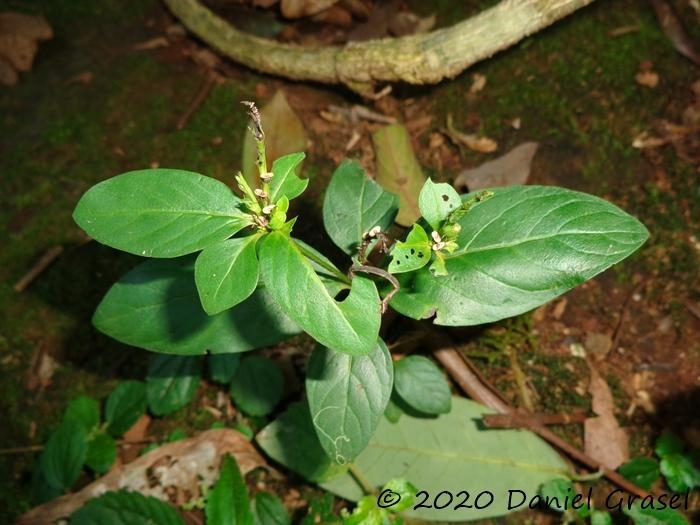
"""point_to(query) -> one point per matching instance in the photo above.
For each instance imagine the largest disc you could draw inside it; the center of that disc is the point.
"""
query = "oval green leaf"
(643, 472)
(156, 306)
(413, 253)
(222, 367)
(285, 182)
(64, 454)
(354, 204)
(126, 508)
(160, 212)
(350, 326)
(421, 385)
(437, 201)
(268, 509)
(226, 273)
(171, 382)
(292, 441)
(85, 410)
(101, 452)
(124, 406)
(347, 397)
(227, 503)
(517, 250)
(454, 453)
(646, 515)
(257, 386)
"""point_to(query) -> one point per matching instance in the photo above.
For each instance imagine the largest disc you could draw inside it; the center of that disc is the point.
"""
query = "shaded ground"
(573, 89)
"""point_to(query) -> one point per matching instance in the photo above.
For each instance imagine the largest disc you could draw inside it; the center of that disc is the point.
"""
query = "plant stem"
(324, 264)
(361, 479)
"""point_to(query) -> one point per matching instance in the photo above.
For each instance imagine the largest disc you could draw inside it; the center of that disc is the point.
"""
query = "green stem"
(324, 264)
(361, 479)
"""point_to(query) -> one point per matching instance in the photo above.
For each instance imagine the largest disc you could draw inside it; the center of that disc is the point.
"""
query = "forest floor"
(95, 105)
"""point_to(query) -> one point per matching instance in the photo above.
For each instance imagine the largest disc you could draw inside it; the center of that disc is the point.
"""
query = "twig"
(456, 366)
(39, 448)
(522, 419)
(520, 380)
(379, 272)
(35, 271)
(196, 101)
(623, 315)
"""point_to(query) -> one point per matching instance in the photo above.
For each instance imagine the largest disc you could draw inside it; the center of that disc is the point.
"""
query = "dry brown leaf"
(138, 430)
(8, 75)
(402, 23)
(18, 50)
(511, 168)
(301, 8)
(42, 369)
(188, 463)
(398, 170)
(644, 141)
(648, 79)
(604, 440)
(674, 30)
(153, 43)
(478, 83)
(84, 78)
(29, 26)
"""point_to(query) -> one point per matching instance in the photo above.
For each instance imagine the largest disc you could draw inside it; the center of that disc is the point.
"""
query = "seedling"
(227, 275)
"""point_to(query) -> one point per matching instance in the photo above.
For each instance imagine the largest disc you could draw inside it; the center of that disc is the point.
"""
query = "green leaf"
(651, 516)
(156, 306)
(269, 510)
(403, 488)
(518, 249)
(680, 473)
(354, 204)
(421, 385)
(284, 134)
(413, 253)
(667, 444)
(643, 472)
(454, 452)
(398, 170)
(222, 367)
(347, 397)
(171, 382)
(227, 503)
(257, 386)
(557, 493)
(64, 454)
(350, 326)
(101, 452)
(285, 183)
(392, 411)
(292, 441)
(126, 508)
(437, 201)
(124, 406)
(600, 517)
(85, 410)
(226, 273)
(160, 212)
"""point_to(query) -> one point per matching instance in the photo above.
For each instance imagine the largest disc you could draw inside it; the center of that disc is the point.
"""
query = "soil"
(572, 89)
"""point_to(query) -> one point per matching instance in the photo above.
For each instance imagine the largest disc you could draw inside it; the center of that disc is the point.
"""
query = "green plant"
(469, 260)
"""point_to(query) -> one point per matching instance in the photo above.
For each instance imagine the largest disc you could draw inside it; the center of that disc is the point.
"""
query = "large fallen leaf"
(604, 439)
(398, 170)
(284, 134)
(188, 463)
(511, 168)
(452, 453)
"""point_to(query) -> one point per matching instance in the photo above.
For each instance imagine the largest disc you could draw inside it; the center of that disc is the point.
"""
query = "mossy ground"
(572, 86)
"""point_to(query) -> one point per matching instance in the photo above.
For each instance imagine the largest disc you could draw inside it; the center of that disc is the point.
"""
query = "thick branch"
(416, 59)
